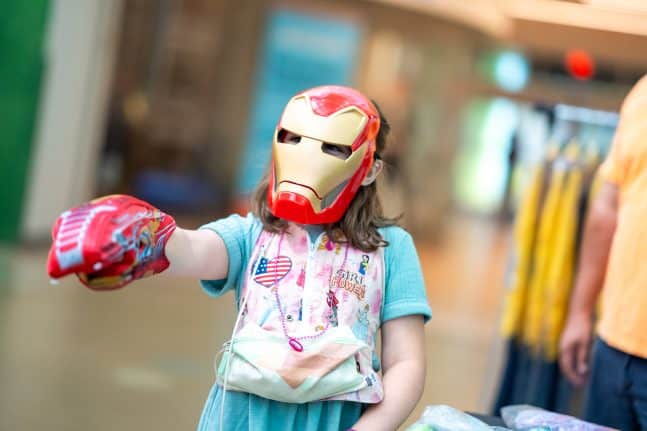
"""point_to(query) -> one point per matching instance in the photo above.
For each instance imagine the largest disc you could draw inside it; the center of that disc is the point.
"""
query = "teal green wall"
(22, 33)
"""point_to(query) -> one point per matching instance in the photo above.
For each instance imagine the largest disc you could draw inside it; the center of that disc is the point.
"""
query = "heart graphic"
(270, 271)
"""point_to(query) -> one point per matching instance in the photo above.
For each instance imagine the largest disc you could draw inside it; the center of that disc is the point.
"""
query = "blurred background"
(500, 112)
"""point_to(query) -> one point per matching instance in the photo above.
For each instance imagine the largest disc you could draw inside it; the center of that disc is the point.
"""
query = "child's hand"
(110, 242)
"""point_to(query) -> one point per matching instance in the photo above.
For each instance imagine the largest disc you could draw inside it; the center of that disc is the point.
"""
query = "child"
(317, 270)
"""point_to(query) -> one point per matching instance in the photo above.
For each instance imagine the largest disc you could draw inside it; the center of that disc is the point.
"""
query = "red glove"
(110, 242)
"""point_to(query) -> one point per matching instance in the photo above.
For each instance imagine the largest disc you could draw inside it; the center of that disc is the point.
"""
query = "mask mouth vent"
(330, 198)
(304, 186)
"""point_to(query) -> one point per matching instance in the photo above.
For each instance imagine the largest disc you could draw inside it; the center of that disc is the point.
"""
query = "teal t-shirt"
(404, 295)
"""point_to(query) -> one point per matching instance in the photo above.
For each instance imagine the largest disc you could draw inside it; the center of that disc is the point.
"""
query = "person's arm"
(197, 253)
(403, 357)
(576, 339)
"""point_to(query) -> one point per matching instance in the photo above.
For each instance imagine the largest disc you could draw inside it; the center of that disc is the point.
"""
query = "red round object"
(579, 64)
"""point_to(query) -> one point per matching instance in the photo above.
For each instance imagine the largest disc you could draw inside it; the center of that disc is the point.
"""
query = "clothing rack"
(546, 241)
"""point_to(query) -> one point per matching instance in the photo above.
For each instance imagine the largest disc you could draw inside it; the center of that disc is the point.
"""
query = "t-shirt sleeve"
(405, 292)
(629, 141)
(237, 233)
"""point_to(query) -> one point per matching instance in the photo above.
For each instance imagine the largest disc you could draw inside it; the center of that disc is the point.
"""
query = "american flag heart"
(270, 271)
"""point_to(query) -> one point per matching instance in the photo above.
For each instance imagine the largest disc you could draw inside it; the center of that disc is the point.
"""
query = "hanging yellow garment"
(561, 268)
(523, 238)
(544, 248)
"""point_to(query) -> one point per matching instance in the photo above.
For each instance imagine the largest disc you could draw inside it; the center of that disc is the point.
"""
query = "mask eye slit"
(287, 137)
(340, 151)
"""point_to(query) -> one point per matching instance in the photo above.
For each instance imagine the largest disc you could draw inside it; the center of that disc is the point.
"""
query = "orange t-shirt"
(623, 323)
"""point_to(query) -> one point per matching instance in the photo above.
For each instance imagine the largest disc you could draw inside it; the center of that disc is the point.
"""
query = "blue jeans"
(617, 393)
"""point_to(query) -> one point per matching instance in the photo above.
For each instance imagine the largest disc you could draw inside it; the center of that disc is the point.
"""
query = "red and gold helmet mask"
(323, 149)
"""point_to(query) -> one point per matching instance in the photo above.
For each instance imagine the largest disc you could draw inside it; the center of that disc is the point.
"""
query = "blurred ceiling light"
(579, 64)
(511, 71)
(507, 69)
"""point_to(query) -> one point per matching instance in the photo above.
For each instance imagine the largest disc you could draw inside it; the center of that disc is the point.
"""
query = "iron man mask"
(323, 148)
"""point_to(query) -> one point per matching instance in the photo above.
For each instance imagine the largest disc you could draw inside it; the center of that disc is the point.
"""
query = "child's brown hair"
(359, 224)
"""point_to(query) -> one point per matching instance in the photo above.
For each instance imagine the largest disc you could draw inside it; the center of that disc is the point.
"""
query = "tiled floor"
(141, 358)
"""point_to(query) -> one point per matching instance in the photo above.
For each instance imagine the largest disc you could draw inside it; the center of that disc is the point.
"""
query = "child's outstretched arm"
(403, 358)
(197, 253)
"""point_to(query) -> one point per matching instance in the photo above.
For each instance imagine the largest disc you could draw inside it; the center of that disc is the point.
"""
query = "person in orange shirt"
(614, 261)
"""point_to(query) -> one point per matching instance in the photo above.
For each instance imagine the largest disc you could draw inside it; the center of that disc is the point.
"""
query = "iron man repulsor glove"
(110, 242)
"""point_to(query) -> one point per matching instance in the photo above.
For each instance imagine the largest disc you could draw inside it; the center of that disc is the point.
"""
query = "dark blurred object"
(507, 204)
(493, 421)
(544, 67)
(161, 142)
(529, 379)
(173, 191)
